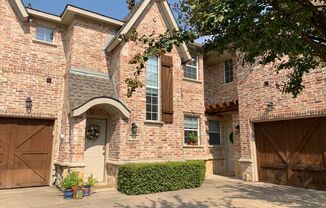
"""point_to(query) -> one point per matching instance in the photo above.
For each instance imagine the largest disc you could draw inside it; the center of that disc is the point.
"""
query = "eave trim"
(100, 101)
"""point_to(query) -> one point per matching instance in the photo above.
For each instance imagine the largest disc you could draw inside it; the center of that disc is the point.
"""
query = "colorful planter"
(87, 190)
(68, 194)
(78, 193)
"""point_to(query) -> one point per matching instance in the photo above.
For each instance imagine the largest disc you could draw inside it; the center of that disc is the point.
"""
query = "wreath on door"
(93, 132)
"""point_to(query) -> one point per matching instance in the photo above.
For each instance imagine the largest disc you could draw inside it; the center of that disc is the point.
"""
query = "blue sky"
(113, 8)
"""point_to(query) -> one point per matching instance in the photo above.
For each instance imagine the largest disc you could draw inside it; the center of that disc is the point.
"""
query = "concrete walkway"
(217, 191)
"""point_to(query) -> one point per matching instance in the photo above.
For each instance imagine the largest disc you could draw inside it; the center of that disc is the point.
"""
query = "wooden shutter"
(167, 89)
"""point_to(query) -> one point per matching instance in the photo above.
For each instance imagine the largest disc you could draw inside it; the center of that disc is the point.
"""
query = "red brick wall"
(216, 90)
(160, 141)
(88, 40)
(25, 66)
(254, 96)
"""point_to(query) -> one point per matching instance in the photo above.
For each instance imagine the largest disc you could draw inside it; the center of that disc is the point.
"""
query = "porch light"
(270, 106)
(28, 103)
(134, 129)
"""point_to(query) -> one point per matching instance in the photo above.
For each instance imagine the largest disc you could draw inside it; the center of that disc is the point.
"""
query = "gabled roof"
(135, 14)
(20, 8)
(66, 17)
(125, 26)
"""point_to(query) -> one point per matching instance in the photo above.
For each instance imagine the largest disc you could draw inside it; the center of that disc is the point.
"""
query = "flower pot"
(192, 143)
(78, 193)
(68, 194)
(87, 190)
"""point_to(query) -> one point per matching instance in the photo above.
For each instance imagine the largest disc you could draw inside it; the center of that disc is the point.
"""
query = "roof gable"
(20, 8)
(135, 15)
(66, 17)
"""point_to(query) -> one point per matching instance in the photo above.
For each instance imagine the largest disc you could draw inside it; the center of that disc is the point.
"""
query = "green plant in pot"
(193, 139)
(72, 186)
(89, 183)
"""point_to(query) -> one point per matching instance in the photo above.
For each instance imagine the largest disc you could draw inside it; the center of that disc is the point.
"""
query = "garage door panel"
(28, 171)
(272, 136)
(309, 179)
(300, 145)
(27, 152)
(31, 131)
(5, 134)
(34, 143)
(271, 164)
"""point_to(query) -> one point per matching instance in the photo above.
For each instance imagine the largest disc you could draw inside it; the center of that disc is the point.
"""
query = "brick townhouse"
(64, 105)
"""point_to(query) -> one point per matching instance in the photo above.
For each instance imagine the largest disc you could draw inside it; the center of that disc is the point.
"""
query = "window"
(191, 69)
(214, 133)
(191, 129)
(228, 71)
(152, 89)
(44, 34)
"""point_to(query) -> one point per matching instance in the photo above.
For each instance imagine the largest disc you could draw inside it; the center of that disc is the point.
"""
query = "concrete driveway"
(217, 191)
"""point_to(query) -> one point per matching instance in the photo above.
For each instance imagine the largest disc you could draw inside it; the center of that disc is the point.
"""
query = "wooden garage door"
(25, 152)
(292, 152)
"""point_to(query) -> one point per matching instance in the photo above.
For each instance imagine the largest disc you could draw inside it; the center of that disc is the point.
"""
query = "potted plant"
(72, 186)
(193, 139)
(89, 183)
(66, 185)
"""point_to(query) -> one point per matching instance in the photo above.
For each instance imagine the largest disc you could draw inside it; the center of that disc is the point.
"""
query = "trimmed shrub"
(145, 178)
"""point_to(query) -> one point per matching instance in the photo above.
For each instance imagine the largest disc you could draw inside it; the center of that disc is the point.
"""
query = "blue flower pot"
(68, 194)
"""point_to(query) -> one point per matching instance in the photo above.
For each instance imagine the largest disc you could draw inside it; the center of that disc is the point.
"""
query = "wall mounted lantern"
(28, 104)
(134, 129)
(270, 106)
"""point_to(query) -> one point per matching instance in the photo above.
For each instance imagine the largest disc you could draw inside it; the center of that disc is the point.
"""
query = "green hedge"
(145, 178)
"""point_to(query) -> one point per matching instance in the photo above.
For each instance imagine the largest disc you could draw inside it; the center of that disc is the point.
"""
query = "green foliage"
(72, 180)
(135, 179)
(290, 33)
(193, 137)
(91, 181)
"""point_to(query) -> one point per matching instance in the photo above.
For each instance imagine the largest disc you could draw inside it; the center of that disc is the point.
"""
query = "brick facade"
(253, 104)
(80, 70)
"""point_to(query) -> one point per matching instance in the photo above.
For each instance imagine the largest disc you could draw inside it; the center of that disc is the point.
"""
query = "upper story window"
(45, 34)
(228, 71)
(191, 130)
(214, 133)
(191, 69)
(152, 89)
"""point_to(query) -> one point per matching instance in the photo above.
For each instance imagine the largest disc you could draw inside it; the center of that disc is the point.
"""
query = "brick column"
(77, 139)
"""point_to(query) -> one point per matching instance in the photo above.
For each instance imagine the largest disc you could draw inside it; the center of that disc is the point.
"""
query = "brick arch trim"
(110, 104)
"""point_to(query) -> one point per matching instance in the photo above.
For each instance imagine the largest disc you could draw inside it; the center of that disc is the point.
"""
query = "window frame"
(219, 132)
(198, 129)
(196, 67)
(225, 81)
(48, 28)
(158, 88)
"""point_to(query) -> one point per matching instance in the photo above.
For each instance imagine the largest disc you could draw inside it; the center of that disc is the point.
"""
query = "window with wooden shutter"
(167, 89)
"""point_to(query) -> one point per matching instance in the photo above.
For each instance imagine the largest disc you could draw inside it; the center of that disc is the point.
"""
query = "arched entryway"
(98, 115)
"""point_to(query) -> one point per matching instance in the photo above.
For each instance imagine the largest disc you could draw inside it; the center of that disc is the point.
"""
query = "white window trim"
(220, 132)
(225, 73)
(198, 129)
(158, 91)
(48, 27)
(197, 70)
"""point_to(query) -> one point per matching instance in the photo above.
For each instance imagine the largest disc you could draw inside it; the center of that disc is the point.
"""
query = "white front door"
(229, 149)
(94, 155)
